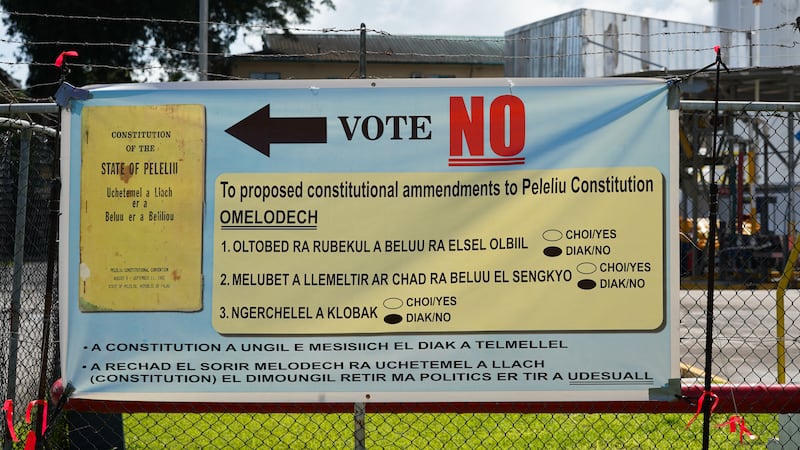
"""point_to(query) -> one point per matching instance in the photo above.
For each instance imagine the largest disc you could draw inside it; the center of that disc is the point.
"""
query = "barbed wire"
(369, 52)
(164, 49)
(794, 44)
(355, 53)
(146, 69)
(254, 26)
(326, 30)
(531, 39)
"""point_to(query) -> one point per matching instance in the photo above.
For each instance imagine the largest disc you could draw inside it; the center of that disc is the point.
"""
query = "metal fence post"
(362, 54)
(16, 281)
(359, 420)
(791, 229)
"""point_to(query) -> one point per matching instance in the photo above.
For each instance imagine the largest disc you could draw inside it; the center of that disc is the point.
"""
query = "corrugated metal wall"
(776, 42)
(590, 43)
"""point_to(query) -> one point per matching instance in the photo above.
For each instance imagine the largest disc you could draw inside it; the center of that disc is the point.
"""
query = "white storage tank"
(773, 24)
(591, 43)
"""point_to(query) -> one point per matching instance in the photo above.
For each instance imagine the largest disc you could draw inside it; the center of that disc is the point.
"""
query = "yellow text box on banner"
(555, 250)
(142, 179)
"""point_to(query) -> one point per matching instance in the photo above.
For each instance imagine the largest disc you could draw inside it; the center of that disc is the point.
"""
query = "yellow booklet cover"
(141, 219)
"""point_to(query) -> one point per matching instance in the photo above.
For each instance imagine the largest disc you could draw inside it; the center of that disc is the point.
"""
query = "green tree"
(113, 37)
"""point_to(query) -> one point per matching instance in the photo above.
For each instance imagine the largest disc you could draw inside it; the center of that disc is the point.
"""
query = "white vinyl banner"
(370, 240)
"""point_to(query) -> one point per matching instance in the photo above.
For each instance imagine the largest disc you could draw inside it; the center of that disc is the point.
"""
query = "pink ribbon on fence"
(30, 440)
(8, 410)
(738, 422)
(700, 406)
(60, 60)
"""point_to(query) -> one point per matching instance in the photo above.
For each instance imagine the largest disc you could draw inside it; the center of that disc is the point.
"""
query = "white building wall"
(772, 26)
(590, 43)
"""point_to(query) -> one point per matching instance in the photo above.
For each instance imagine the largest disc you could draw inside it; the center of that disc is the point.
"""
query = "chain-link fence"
(757, 232)
(755, 335)
(28, 161)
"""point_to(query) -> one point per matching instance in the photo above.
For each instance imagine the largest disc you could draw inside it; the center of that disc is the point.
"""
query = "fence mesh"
(26, 160)
(755, 333)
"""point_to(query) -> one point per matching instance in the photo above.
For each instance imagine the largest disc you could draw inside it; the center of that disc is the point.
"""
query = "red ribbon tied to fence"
(60, 60)
(700, 403)
(30, 440)
(735, 422)
(8, 411)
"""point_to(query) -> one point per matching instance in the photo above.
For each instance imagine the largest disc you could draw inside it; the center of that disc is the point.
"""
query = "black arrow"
(259, 130)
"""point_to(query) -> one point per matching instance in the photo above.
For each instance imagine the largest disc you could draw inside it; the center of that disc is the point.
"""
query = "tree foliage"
(114, 37)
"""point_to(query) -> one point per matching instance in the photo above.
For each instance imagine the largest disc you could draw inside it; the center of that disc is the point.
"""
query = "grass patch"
(439, 431)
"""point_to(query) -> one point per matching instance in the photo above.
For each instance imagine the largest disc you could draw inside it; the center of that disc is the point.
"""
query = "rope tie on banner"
(701, 402)
(30, 440)
(8, 411)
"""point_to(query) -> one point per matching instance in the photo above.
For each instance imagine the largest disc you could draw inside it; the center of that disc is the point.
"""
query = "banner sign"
(354, 240)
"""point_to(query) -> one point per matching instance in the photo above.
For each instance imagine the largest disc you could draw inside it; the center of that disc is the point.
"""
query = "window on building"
(265, 75)
(424, 75)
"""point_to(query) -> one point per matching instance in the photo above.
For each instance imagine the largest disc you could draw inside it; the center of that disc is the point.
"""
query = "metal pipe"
(791, 165)
(203, 40)
(740, 192)
(757, 48)
(780, 310)
(362, 55)
(359, 421)
(16, 271)
(28, 108)
(708, 105)
(9, 109)
(25, 125)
